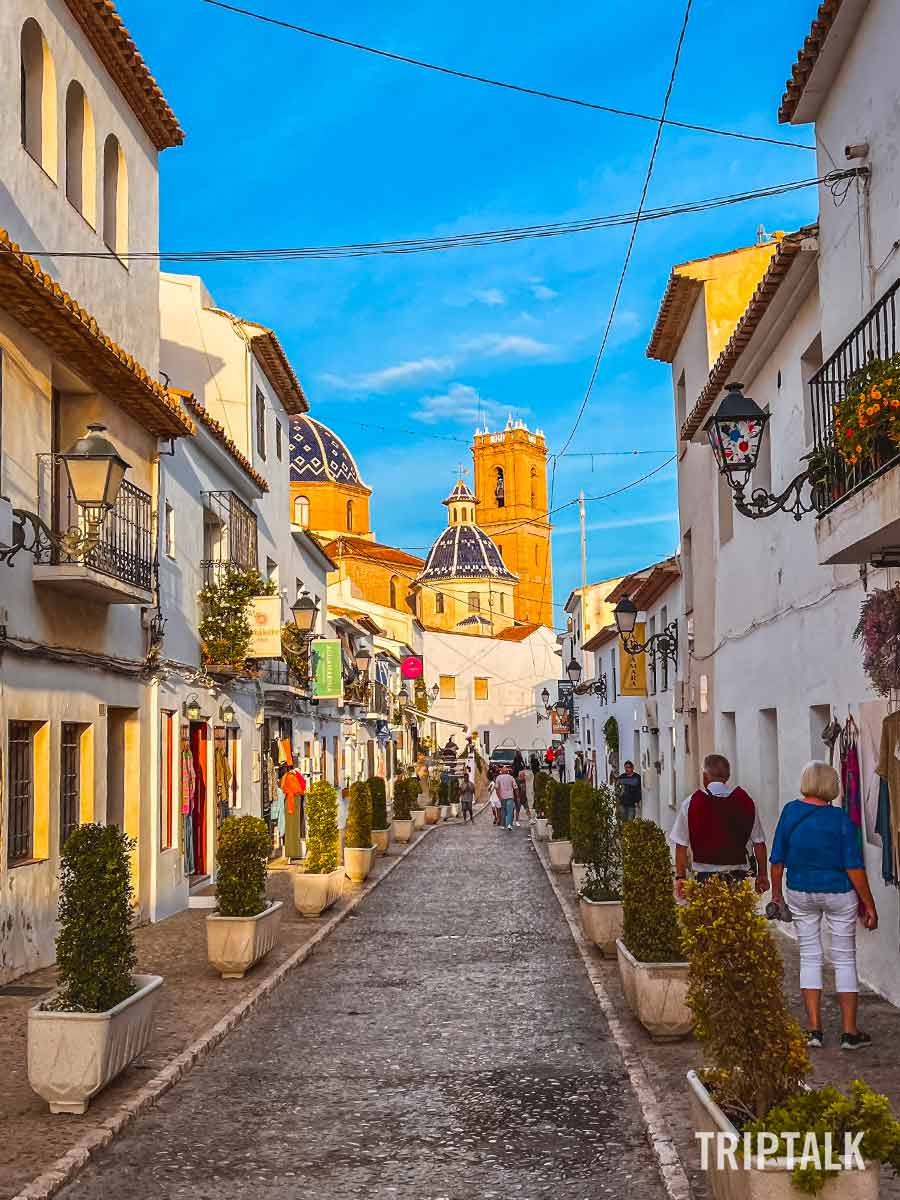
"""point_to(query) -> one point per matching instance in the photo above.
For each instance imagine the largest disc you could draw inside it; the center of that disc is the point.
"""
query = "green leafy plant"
(604, 849)
(378, 790)
(420, 699)
(323, 838)
(611, 735)
(295, 650)
(828, 1110)
(358, 830)
(735, 968)
(224, 629)
(651, 930)
(541, 787)
(581, 820)
(242, 853)
(868, 416)
(406, 793)
(449, 790)
(95, 953)
(560, 801)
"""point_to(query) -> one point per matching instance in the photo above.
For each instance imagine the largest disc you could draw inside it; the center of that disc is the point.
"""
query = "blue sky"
(291, 141)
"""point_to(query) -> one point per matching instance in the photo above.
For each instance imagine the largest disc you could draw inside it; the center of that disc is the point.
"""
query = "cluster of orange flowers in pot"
(870, 410)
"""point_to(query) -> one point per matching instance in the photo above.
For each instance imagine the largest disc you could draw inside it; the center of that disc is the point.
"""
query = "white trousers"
(839, 910)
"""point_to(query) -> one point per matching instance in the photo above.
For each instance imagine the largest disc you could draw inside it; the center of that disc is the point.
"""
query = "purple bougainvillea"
(879, 632)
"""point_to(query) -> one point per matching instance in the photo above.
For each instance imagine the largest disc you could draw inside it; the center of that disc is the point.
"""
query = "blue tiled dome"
(464, 552)
(319, 456)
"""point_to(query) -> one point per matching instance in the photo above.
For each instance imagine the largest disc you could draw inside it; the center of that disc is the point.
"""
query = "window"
(612, 677)
(687, 572)
(439, 602)
(393, 591)
(447, 686)
(680, 404)
(260, 424)
(21, 792)
(349, 516)
(499, 487)
(301, 512)
(537, 555)
(166, 778)
(115, 197)
(809, 364)
(481, 688)
(474, 602)
(69, 780)
(38, 98)
(81, 154)
(278, 443)
(486, 740)
(534, 487)
(169, 532)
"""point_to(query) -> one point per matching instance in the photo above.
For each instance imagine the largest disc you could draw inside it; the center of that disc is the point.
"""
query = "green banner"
(328, 669)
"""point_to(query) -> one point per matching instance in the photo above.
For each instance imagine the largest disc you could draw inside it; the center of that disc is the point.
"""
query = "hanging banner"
(633, 667)
(265, 627)
(328, 675)
(412, 667)
(561, 723)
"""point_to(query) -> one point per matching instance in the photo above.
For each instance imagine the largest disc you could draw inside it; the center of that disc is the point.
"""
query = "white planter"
(418, 818)
(432, 814)
(314, 893)
(72, 1056)
(601, 921)
(540, 828)
(579, 874)
(773, 1181)
(656, 994)
(382, 839)
(560, 854)
(234, 944)
(445, 811)
(358, 862)
(454, 810)
(401, 830)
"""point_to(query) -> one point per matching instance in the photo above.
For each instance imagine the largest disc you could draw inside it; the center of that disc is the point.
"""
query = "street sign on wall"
(412, 667)
(561, 725)
(265, 627)
(328, 673)
(633, 667)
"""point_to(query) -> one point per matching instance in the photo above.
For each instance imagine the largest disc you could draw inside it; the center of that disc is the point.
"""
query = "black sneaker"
(855, 1041)
(814, 1038)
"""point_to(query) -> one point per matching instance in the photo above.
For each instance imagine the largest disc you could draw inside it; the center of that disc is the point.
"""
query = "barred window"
(21, 792)
(69, 780)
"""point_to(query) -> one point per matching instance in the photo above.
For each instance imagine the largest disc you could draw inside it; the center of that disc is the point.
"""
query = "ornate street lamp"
(226, 712)
(304, 611)
(192, 708)
(545, 697)
(435, 692)
(735, 432)
(403, 696)
(573, 670)
(562, 709)
(664, 644)
(95, 471)
(361, 659)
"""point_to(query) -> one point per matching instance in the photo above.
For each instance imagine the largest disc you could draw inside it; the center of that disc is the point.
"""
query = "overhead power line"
(540, 93)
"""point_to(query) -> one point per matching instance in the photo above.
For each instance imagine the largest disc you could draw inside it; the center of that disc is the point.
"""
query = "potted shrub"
(321, 881)
(541, 785)
(100, 1017)
(651, 963)
(759, 1061)
(381, 828)
(560, 845)
(402, 824)
(359, 849)
(245, 926)
(432, 803)
(454, 796)
(581, 829)
(600, 902)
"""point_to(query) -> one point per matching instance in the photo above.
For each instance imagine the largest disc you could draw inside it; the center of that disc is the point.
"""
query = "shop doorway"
(199, 744)
(123, 769)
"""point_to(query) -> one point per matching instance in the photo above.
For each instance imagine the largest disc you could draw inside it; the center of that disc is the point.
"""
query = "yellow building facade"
(511, 483)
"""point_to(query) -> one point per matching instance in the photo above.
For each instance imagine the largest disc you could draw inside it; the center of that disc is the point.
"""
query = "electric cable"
(511, 87)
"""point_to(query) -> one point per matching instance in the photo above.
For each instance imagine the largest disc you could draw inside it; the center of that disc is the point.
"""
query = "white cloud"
(400, 375)
(491, 296)
(620, 523)
(461, 404)
(507, 345)
(540, 291)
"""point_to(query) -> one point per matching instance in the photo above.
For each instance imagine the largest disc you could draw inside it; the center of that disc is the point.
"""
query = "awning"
(427, 716)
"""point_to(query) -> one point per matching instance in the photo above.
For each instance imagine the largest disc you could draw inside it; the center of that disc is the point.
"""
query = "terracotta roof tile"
(36, 301)
(270, 352)
(516, 633)
(115, 48)
(354, 547)
(807, 58)
(217, 429)
(601, 638)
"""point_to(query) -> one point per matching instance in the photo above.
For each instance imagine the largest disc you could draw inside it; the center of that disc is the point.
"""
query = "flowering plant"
(879, 631)
(869, 411)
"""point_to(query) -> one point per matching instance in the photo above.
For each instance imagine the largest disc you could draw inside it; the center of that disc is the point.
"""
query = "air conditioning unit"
(678, 695)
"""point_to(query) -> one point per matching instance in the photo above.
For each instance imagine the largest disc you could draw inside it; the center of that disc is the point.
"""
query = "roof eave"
(819, 59)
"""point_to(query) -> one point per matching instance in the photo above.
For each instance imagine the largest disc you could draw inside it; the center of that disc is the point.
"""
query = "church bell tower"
(511, 483)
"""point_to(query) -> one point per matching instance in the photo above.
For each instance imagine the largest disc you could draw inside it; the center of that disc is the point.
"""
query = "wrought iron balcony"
(278, 673)
(229, 535)
(875, 337)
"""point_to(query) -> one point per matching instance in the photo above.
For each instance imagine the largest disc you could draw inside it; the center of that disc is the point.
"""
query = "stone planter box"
(579, 874)
(656, 994)
(401, 830)
(601, 921)
(313, 894)
(234, 944)
(382, 839)
(540, 828)
(358, 862)
(773, 1181)
(432, 814)
(445, 811)
(72, 1055)
(560, 854)
(418, 818)
(454, 810)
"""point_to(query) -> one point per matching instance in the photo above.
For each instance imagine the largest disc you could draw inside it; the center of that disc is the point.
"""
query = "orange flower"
(875, 394)
(859, 449)
(853, 460)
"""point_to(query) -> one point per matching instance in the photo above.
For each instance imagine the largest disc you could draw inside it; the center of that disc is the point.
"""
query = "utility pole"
(583, 568)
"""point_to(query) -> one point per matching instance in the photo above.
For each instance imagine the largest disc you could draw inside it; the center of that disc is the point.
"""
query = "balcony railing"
(125, 549)
(230, 536)
(277, 673)
(873, 338)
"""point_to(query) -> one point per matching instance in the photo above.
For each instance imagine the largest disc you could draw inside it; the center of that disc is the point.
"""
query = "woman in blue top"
(826, 877)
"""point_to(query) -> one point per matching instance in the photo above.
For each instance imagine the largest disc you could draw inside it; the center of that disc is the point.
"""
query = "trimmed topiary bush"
(449, 790)
(581, 820)
(651, 930)
(560, 799)
(604, 861)
(378, 790)
(541, 788)
(95, 953)
(242, 854)
(358, 830)
(323, 838)
(406, 793)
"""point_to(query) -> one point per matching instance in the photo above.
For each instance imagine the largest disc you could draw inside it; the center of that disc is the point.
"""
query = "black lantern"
(192, 708)
(304, 611)
(435, 691)
(562, 709)
(403, 695)
(362, 658)
(95, 469)
(545, 697)
(573, 670)
(735, 432)
(226, 712)
(625, 615)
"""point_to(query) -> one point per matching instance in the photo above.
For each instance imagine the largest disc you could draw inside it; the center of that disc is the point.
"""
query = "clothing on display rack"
(188, 795)
(889, 770)
(223, 784)
(851, 776)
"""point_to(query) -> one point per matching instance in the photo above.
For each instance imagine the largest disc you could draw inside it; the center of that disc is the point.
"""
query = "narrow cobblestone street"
(444, 1042)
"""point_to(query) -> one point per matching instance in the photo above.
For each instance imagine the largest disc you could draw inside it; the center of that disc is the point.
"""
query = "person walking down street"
(524, 792)
(628, 786)
(535, 763)
(494, 801)
(517, 764)
(716, 824)
(467, 799)
(507, 791)
(560, 761)
(580, 769)
(819, 848)
(549, 757)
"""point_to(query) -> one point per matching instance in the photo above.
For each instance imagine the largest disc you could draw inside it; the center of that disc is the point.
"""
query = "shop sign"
(328, 674)
(412, 667)
(633, 667)
(561, 726)
(265, 627)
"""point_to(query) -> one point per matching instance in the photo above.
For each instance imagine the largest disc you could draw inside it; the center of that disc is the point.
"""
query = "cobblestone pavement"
(444, 1042)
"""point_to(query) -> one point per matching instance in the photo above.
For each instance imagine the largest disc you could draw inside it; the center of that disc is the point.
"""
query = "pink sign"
(411, 668)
